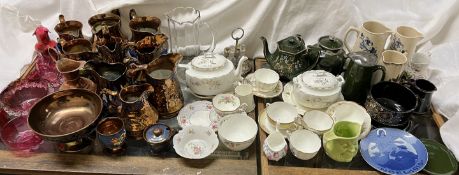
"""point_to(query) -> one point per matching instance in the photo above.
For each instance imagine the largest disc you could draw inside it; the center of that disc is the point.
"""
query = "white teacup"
(317, 121)
(266, 79)
(281, 114)
(304, 144)
(225, 104)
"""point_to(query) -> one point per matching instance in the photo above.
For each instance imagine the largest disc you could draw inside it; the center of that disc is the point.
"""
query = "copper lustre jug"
(142, 26)
(160, 73)
(135, 110)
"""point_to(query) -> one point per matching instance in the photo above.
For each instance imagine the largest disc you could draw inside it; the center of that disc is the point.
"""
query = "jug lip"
(377, 23)
(412, 29)
(170, 16)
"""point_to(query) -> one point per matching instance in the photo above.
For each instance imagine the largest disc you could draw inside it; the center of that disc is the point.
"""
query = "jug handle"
(109, 92)
(351, 29)
(383, 70)
(61, 18)
(212, 46)
(132, 14)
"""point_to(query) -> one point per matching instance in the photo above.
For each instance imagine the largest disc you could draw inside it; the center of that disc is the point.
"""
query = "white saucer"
(249, 79)
(265, 124)
(200, 113)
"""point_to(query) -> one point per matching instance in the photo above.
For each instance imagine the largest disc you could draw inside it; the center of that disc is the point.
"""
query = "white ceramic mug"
(266, 79)
(371, 37)
(275, 147)
(245, 94)
(317, 121)
(394, 62)
(304, 144)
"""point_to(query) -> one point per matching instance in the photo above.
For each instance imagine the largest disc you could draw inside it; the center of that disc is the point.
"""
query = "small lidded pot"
(159, 136)
(317, 88)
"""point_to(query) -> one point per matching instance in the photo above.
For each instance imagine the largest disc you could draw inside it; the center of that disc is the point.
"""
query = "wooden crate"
(312, 166)
(222, 162)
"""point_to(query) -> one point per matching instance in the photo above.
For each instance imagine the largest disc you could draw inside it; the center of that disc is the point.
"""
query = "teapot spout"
(238, 72)
(265, 47)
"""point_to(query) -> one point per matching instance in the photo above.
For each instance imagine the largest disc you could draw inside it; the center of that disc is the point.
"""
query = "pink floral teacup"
(275, 147)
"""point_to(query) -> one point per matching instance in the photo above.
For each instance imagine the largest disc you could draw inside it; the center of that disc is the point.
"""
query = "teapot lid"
(363, 58)
(157, 133)
(208, 62)
(319, 80)
(292, 45)
(330, 42)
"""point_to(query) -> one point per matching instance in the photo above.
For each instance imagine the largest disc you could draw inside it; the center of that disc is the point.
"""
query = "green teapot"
(331, 54)
(289, 60)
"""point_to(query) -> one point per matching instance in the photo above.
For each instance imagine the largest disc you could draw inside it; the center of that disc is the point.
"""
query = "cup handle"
(243, 107)
(351, 29)
(383, 69)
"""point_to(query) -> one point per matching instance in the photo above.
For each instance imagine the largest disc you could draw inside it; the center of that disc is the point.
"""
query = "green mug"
(341, 142)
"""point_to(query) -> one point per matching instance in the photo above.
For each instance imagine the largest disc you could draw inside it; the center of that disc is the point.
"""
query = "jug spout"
(238, 72)
(265, 47)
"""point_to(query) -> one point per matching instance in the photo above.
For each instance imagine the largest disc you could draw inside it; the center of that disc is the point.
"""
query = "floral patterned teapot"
(290, 58)
(211, 74)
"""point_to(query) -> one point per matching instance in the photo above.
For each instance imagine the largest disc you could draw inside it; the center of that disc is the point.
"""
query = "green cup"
(341, 142)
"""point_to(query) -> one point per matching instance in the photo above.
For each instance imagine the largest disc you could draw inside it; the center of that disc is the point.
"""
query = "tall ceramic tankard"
(187, 33)
(160, 73)
(371, 37)
(136, 112)
(405, 40)
(358, 76)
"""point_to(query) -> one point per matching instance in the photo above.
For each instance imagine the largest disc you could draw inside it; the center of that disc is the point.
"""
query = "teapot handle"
(299, 38)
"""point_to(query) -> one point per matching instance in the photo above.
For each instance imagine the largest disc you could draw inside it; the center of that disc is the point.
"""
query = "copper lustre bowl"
(66, 115)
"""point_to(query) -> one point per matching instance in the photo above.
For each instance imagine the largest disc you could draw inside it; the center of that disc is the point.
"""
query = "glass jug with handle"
(187, 33)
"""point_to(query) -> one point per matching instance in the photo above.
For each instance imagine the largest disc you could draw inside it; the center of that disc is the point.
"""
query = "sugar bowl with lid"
(211, 74)
(317, 88)
(159, 136)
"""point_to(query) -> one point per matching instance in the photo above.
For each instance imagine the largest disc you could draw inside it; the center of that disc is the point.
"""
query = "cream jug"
(371, 37)
(405, 40)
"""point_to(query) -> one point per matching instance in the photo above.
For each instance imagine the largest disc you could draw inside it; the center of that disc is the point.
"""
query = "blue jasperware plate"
(393, 151)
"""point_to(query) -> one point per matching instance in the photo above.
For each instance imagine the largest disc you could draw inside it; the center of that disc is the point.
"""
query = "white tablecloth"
(274, 19)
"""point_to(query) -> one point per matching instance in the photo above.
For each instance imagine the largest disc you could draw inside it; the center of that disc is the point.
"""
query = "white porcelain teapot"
(212, 74)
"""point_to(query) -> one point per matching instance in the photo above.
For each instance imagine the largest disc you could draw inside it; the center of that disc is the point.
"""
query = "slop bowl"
(195, 142)
(237, 131)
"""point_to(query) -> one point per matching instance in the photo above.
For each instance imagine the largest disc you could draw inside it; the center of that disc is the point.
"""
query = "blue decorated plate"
(393, 151)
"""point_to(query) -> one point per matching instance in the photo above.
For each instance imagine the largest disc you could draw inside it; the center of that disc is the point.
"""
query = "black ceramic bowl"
(390, 103)
(65, 116)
